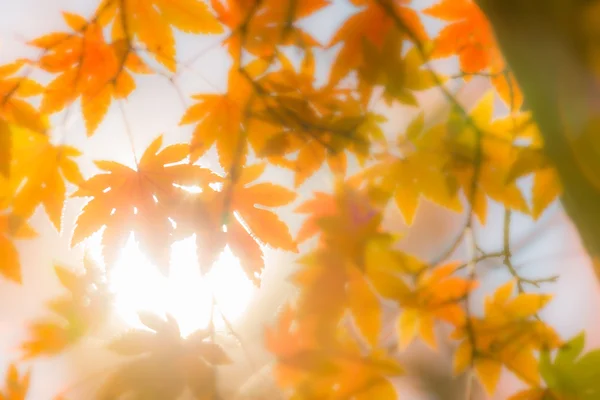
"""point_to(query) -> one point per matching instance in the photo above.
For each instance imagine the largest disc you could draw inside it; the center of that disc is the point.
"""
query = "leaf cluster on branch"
(276, 111)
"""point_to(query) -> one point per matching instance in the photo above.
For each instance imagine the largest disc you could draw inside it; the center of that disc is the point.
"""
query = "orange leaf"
(151, 23)
(87, 67)
(41, 168)
(16, 387)
(143, 200)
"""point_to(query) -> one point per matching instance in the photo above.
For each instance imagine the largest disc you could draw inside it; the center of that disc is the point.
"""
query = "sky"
(549, 246)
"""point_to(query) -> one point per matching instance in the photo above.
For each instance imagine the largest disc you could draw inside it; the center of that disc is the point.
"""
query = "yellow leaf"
(524, 364)
(10, 266)
(426, 330)
(365, 306)
(381, 390)
(488, 372)
(531, 394)
(189, 16)
(546, 189)
(463, 357)
(41, 168)
(155, 33)
(407, 201)
(5, 150)
(408, 324)
(483, 111)
(527, 304)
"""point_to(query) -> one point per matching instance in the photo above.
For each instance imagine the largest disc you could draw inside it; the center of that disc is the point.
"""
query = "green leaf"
(571, 375)
(570, 351)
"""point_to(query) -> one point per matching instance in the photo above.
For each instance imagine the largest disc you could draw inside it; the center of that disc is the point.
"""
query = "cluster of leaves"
(76, 314)
(165, 363)
(275, 112)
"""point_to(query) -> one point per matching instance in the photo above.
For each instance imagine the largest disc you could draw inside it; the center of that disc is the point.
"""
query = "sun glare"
(185, 294)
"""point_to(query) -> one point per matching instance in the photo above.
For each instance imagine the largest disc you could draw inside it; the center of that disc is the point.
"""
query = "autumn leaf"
(324, 205)
(5, 149)
(468, 34)
(332, 278)
(506, 336)
(75, 314)
(299, 126)
(418, 173)
(221, 118)
(373, 24)
(364, 305)
(39, 174)
(436, 295)
(86, 67)
(327, 369)
(152, 23)
(546, 189)
(13, 108)
(478, 156)
(165, 363)
(12, 227)
(15, 386)
(546, 183)
(243, 208)
(398, 76)
(354, 222)
(260, 27)
(140, 200)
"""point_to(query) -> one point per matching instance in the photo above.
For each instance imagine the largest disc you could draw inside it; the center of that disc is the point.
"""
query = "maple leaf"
(572, 374)
(469, 35)
(334, 368)
(478, 156)
(39, 172)
(414, 175)
(373, 24)
(507, 336)
(332, 277)
(259, 27)
(546, 183)
(243, 209)
(435, 295)
(140, 200)
(330, 285)
(321, 205)
(13, 109)
(86, 67)
(398, 76)
(222, 118)
(12, 227)
(16, 386)
(345, 220)
(151, 23)
(76, 314)
(165, 362)
(302, 126)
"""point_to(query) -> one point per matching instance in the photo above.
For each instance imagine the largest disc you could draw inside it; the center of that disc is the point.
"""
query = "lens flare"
(192, 299)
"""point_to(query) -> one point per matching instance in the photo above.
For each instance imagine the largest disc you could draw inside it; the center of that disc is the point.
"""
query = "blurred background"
(546, 247)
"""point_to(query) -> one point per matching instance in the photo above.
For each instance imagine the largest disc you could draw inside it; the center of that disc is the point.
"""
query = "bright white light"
(185, 294)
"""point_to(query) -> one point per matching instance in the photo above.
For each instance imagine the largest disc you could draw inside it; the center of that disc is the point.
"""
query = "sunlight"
(185, 294)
